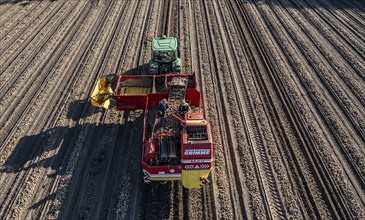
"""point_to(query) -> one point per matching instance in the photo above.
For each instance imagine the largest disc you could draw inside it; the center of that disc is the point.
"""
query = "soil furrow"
(344, 72)
(95, 68)
(282, 178)
(344, 136)
(281, 168)
(23, 78)
(263, 163)
(349, 50)
(7, 14)
(20, 21)
(126, 200)
(257, 23)
(333, 20)
(24, 49)
(5, 9)
(51, 183)
(348, 20)
(281, 82)
(33, 175)
(208, 74)
(329, 159)
(89, 183)
(71, 162)
(30, 88)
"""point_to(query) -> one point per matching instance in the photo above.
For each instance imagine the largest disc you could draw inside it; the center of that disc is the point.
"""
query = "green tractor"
(164, 56)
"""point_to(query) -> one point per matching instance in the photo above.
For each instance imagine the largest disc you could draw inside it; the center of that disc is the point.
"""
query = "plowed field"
(283, 84)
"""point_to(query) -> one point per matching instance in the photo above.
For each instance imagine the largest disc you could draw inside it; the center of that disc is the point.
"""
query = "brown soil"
(283, 86)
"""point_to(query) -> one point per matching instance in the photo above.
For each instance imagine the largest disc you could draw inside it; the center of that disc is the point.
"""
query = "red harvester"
(176, 146)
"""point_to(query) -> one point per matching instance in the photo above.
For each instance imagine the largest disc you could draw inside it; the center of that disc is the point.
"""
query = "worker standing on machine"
(163, 105)
(184, 107)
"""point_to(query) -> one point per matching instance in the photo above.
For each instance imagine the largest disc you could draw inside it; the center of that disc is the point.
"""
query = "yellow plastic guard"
(191, 178)
(101, 95)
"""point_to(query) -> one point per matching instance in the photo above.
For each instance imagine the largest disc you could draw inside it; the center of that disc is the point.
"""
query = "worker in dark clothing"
(163, 105)
(184, 107)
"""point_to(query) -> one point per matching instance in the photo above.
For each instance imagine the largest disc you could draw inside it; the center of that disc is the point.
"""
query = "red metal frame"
(194, 155)
(151, 100)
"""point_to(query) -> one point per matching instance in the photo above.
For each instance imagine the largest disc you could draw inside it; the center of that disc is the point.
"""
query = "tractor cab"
(164, 56)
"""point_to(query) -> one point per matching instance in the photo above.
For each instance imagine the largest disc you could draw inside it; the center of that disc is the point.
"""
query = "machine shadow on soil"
(60, 143)
(75, 109)
(29, 150)
(139, 70)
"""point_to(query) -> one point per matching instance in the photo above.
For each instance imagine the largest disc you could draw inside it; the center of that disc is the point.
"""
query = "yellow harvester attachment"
(101, 94)
(192, 178)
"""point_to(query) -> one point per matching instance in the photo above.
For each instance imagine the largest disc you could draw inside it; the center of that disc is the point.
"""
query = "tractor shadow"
(139, 70)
